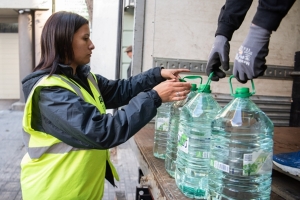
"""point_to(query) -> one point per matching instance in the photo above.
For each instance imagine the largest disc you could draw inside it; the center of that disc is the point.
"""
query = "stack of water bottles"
(171, 149)
(163, 124)
(222, 153)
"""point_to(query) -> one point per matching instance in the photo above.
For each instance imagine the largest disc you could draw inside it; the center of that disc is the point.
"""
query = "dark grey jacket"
(64, 115)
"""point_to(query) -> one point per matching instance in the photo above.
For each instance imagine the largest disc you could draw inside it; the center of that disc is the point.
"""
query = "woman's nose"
(92, 46)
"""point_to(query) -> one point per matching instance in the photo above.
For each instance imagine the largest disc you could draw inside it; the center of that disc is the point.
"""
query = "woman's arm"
(117, 93)
(67, 117)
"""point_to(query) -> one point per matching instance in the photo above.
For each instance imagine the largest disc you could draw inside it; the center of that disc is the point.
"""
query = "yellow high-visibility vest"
(51, 169)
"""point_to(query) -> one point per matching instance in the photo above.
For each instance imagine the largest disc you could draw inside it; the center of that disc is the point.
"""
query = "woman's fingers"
(172, 73)
(172, 91)
(180, 95)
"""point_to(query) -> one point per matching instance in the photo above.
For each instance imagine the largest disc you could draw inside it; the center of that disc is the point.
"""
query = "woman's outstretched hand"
(172, 90)
(172, 73)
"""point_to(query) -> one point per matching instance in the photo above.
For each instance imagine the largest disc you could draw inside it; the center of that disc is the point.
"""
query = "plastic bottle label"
(202, 154)
(183, 141)
(220, 166)
(257, 162)
(162, 124)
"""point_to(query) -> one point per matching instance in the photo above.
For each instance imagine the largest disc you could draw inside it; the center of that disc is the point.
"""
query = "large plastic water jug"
(171, 151)
(241, 149)
(162, 126)
(192, 164)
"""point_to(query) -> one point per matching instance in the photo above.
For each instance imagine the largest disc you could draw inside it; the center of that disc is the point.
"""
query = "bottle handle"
(191, 77)
(231, 89)
(208, 81)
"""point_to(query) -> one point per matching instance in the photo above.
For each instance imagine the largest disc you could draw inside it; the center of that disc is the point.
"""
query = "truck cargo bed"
(162, 186)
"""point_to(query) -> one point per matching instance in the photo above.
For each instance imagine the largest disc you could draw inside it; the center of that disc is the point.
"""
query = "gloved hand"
(250, 60)
(218, 56)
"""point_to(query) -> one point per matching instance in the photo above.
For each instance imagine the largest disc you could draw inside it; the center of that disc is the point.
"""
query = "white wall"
(30, 4)
(185, 30)
(40, 20)
(9, 66)
(76, 6)
(104, 37)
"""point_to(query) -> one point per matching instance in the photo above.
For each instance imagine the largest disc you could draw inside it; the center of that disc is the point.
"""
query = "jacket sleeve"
(77, 123)
(270, 13)
(117, 93)
(232, 16)
(67, 117)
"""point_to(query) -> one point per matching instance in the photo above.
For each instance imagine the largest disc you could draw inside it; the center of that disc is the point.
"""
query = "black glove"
(218, 56)
(250, 60)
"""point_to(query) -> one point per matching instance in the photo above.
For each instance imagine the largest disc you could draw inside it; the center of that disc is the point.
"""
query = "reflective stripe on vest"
(37, 152)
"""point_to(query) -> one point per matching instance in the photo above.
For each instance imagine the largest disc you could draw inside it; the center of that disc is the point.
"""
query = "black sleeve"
(67, 117)
(117, 93)
(270, 13)
(232, 16)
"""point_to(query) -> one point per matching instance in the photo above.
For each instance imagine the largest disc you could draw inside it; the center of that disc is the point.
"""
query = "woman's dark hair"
(56, 39)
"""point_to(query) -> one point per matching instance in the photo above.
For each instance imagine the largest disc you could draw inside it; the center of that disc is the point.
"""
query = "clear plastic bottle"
(192, 163)
(162, 125)
(171, 151)
(241, 150)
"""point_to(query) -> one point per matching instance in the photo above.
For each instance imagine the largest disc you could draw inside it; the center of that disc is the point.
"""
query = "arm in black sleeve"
(232, 16)
(270, 13)
(77, 123)
(117, 93)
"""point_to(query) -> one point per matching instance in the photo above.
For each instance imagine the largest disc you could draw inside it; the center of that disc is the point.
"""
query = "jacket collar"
(68, 71)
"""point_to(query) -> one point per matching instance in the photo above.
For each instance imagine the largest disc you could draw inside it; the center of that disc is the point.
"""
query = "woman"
(66, 129)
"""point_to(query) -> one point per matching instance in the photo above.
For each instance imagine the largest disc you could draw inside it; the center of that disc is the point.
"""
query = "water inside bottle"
(162, 126)
(192, 164)
(241, 152)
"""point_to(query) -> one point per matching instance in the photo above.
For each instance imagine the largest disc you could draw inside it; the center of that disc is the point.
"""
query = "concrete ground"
(12, 150)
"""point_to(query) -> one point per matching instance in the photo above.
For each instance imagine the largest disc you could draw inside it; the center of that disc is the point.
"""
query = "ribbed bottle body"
(172, 142)
(241, 152)
(162, 126)
(192, 163)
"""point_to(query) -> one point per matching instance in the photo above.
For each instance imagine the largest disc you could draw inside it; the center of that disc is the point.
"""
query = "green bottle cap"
(242, 92)
(205, 88)
(194, 87)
